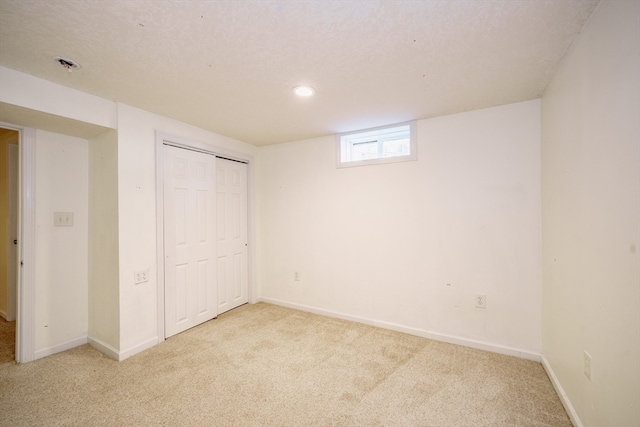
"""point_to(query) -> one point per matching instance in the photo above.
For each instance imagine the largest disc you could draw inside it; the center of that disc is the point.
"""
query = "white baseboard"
(124, 354)
(573, 415)
(118, 355)
(39, 354)
(105, 348)
(466, 342)
(6, 316)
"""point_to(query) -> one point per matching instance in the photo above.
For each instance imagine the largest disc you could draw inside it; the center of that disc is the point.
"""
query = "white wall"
(410, 243)
(103, 293)
(126, 172)
(137, 216)
(591, 219)
(37, 94)
(61, 252)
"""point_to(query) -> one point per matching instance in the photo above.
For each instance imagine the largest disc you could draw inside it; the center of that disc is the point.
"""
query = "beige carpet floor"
(264, 365)
(7, 341)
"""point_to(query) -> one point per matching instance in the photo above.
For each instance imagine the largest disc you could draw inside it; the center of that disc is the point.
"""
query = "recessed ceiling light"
(304, 91)
(68, 64)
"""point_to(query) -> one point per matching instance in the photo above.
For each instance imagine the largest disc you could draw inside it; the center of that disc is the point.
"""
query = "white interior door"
(232, 250)
(189, 239)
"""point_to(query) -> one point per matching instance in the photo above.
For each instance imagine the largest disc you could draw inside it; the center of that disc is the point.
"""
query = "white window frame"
(342, 146)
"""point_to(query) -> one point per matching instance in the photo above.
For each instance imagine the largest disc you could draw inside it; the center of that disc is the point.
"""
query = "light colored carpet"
(264, 365)
(7, 341)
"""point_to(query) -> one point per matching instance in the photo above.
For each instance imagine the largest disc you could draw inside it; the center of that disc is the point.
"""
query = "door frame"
(176, 141)
(13, 173)
(25, 295)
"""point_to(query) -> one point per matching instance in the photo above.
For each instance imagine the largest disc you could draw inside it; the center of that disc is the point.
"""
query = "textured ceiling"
(229, 66)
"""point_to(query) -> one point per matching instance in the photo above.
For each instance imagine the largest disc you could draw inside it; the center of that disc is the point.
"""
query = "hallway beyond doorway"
(7, 341)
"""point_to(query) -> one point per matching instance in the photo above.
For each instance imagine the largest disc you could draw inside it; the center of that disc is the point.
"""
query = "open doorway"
(9, 193)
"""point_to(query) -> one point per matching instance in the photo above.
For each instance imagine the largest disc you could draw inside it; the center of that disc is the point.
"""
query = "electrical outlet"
(296, 276)
(481, 301)
(141, 276)
(587, 365)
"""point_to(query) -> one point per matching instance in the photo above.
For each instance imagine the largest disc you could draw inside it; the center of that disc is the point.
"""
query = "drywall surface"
(137, 216)
(411, 243)
(591, 218)
(104, 319)
(6, 236)
(61, 170)
(26, 91)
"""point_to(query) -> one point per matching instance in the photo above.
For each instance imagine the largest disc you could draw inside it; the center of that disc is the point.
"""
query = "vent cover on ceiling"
(68, 64)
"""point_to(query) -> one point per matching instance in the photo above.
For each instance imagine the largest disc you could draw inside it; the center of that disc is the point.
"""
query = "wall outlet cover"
(481, 300)
(141, 276)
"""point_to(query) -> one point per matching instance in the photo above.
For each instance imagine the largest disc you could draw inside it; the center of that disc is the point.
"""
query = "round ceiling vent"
(68, 64)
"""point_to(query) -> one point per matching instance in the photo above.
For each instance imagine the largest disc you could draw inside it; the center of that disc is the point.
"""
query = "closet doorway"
(205, 236)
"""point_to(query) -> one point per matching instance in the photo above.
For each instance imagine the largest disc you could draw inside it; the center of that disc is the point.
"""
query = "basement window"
(384, 144)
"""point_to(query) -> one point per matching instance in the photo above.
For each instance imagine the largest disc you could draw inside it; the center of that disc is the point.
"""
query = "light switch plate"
(63, 219)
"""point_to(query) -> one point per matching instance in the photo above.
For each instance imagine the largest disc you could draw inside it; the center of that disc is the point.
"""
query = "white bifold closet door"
(189, 238)
(231, 207)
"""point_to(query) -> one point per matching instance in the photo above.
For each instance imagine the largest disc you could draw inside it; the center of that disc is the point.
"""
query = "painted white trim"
(160, 235)
(177, 141)
(466, 342)
(4, 315)
(137, 348)
(67, 345)
(13, 166)
(26, 335)
(115, 354)
(573, 415)
(25, 304)
(251, 232)
(103, 347)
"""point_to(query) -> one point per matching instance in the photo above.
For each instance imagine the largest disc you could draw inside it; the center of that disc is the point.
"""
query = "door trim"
(25, 298)
(13, 173)
(176, 141)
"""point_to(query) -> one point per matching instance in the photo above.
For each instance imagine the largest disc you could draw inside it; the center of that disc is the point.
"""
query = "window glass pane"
(364, 151)
(371, 146)
(396, 147)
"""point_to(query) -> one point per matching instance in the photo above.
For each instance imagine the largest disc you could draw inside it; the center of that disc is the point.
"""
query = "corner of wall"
(590, 226)
(104, 319)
